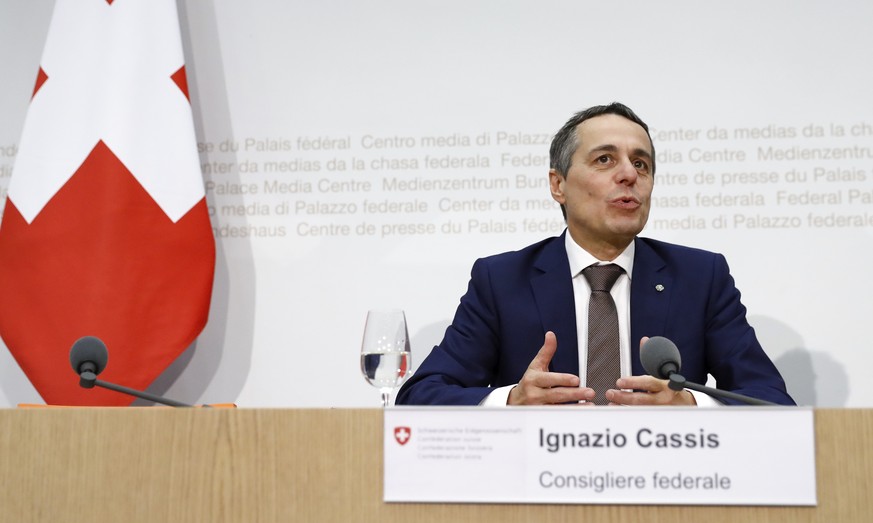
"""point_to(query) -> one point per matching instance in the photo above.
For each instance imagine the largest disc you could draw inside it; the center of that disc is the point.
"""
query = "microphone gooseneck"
(660, 358)
(88, 357)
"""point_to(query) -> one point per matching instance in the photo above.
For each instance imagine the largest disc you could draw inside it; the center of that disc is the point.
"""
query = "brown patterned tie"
(603, 346)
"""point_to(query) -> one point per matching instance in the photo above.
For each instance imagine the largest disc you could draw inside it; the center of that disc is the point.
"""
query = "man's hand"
(654, 392)
(538, 386)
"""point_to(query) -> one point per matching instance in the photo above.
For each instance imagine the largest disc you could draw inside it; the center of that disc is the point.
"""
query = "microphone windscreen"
(89, 349)
(657, 352)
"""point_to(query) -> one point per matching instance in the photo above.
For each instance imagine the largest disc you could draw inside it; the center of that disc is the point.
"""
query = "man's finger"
(643, 341)
(547, 351)
(548, 380)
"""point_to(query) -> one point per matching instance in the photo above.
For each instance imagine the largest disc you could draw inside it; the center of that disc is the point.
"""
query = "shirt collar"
(580, 258)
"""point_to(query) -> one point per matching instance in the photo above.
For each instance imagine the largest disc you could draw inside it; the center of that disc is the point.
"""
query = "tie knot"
(602, 277)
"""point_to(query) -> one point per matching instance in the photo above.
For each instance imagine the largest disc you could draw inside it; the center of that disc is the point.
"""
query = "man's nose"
(626, 172)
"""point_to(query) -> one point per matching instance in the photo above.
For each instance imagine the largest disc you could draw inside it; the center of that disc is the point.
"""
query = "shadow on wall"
(29, 34)
(814, 378)
(14, 383)
(215, 368)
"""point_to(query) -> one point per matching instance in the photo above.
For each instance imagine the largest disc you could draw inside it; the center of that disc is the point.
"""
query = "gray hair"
(566, 141)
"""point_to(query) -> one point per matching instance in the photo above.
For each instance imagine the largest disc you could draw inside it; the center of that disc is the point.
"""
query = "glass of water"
(385, 351)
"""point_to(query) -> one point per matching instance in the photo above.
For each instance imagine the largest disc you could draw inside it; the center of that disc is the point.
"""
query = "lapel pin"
(659, 287)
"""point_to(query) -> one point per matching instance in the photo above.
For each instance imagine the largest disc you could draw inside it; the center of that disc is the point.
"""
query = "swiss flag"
(105, 231)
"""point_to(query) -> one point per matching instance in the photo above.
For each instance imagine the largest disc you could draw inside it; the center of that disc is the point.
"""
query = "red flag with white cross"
(105, 231)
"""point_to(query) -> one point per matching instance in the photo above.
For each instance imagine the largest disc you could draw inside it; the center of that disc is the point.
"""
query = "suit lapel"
(651, 290)
(553, 291)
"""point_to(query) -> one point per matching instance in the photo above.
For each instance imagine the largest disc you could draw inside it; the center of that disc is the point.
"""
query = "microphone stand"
(88, 380)
(678, 382)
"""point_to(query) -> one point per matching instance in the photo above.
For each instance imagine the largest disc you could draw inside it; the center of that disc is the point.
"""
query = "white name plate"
(616, 455)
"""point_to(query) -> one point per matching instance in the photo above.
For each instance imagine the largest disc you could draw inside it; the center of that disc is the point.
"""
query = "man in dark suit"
(515, 338)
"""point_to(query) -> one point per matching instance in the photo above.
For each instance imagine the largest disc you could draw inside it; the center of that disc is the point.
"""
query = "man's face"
(607, 191)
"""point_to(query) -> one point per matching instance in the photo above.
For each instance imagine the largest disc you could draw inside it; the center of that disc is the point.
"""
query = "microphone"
(89, 354)
(88, 357)
(660, 358)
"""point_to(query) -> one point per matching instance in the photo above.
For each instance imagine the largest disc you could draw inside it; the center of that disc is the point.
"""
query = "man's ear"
(556, 186)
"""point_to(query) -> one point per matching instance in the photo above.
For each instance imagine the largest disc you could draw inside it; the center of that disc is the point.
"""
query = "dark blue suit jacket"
(515, 297)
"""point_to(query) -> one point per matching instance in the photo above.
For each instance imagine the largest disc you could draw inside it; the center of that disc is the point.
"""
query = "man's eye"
(603, 159)
(639, 164)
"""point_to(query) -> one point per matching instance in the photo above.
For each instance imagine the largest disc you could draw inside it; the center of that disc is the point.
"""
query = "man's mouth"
(626, 202)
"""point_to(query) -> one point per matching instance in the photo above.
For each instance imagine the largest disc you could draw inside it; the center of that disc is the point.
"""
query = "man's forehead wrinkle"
(605, 147)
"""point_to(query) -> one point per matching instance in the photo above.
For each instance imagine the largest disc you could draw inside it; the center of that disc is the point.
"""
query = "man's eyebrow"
(643, 152)
(609, 148)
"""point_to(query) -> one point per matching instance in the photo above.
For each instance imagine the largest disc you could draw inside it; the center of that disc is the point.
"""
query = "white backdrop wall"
(361, 155)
